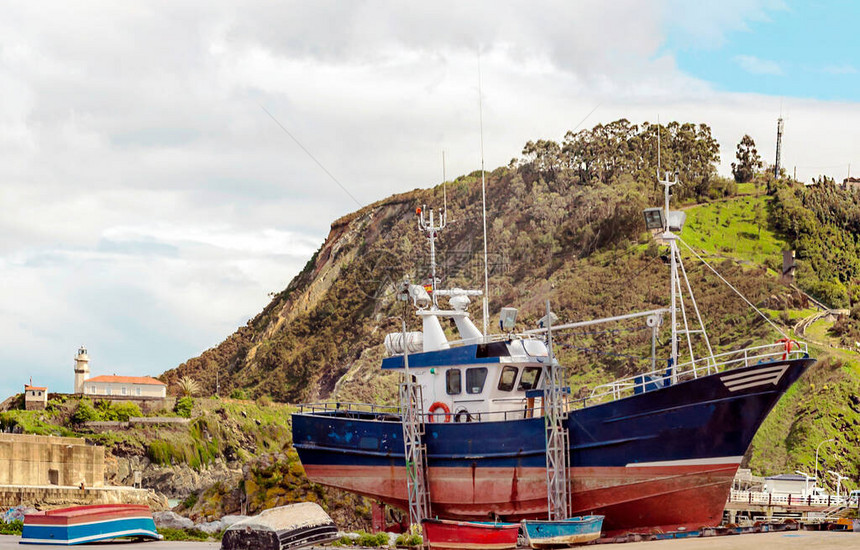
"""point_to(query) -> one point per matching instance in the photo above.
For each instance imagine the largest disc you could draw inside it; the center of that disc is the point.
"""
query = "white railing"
(612, 391)
(770, 499)
(721, 362)
(392, 413)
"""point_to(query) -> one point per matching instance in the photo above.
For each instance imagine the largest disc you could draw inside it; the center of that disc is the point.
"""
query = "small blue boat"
(562, 533)
(83, 524)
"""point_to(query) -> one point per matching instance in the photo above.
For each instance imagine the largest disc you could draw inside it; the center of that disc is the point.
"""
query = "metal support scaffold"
(411, 406)
(557, 440)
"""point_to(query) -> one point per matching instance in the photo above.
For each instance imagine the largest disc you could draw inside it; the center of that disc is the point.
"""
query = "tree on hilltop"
(749, 161)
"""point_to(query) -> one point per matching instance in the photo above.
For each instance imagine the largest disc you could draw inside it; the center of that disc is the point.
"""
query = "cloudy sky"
(150, 202)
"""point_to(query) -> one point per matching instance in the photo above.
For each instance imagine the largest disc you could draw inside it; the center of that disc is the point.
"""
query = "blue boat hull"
(662, 459)
(89, 532)
(563, 533)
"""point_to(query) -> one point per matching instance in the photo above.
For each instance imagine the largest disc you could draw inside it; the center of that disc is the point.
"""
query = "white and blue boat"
(83, 524)
(655, 451)
(562, 533)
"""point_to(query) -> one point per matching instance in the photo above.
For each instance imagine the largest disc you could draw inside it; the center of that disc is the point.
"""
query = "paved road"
(10, 543)
(794, 540)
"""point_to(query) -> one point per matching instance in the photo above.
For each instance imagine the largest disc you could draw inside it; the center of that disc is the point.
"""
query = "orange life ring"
(439, 405)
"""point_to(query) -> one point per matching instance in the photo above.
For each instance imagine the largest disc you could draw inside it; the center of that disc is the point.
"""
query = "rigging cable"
(324, 169)
(763, 316)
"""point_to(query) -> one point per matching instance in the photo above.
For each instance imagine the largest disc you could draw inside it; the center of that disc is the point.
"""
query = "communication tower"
(779, 126)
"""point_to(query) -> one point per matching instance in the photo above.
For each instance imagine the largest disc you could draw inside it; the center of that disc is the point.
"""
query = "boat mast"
(412, 405)
(673, 251)
(486, 307)
(557, 439)
(672, 239)
(430, 227)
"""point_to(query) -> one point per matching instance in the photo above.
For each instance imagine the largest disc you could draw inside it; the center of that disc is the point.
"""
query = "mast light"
(507, 319)
(654, 218)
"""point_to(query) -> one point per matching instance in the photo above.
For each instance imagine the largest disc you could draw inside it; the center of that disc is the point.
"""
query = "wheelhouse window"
(508, 377)
(475, 379)
(452, 381)
(530, 378)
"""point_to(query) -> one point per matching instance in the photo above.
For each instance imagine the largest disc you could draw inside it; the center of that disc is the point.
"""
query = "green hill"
(565, 224)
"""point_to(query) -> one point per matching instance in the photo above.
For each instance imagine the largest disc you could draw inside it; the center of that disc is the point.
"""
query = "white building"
(112, 385)
(787, 484)
(124, 386)
(35, 397)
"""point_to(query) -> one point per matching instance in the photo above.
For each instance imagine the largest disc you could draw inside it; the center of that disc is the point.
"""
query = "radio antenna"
(444, 189)
(658, 147)
(483, 198)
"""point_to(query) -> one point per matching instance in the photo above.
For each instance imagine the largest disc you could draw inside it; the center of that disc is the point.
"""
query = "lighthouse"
(82, 369)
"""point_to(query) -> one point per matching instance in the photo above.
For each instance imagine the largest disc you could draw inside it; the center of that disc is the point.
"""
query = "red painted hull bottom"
(459, 535)
(634, 499)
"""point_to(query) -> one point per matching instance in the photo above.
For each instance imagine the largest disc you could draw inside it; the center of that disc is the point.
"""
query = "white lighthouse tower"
(82, 369)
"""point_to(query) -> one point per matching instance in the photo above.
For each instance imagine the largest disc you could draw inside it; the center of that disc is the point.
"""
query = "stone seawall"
(47, 497)
(45, 460)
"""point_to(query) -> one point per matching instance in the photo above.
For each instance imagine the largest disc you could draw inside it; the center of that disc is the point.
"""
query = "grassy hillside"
(737, 228)
(825, 403)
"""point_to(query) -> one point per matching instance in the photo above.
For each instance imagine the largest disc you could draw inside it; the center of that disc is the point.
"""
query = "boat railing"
(349, 409)
(721, 362)
(370, 411)
(625, 387)
(782, 499)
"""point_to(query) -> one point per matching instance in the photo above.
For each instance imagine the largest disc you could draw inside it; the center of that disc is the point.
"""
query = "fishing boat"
(83, 524)
(656, 451)
(562, 533)
(443, 534)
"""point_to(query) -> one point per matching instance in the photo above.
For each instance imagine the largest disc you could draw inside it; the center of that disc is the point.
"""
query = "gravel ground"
(794, 540)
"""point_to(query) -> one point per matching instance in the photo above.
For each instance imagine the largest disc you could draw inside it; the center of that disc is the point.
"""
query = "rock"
(210, 527)
(171, 520)
(228, 521)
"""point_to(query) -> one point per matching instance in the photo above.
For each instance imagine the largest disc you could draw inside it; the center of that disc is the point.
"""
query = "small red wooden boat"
(443, 534)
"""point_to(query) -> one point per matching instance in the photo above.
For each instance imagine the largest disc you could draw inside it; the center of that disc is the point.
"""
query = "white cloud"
(150, 203)
(755, 65)
(839, 69)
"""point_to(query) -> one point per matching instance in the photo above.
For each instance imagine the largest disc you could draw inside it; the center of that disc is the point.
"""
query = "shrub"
(238, 393)
(14, 527)
(183, 406)
(85, 412)
(372, 540)
(190, 501)
(264, 401)
(183, 534)
(124, 411)
(104, 410)
(408, 540)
